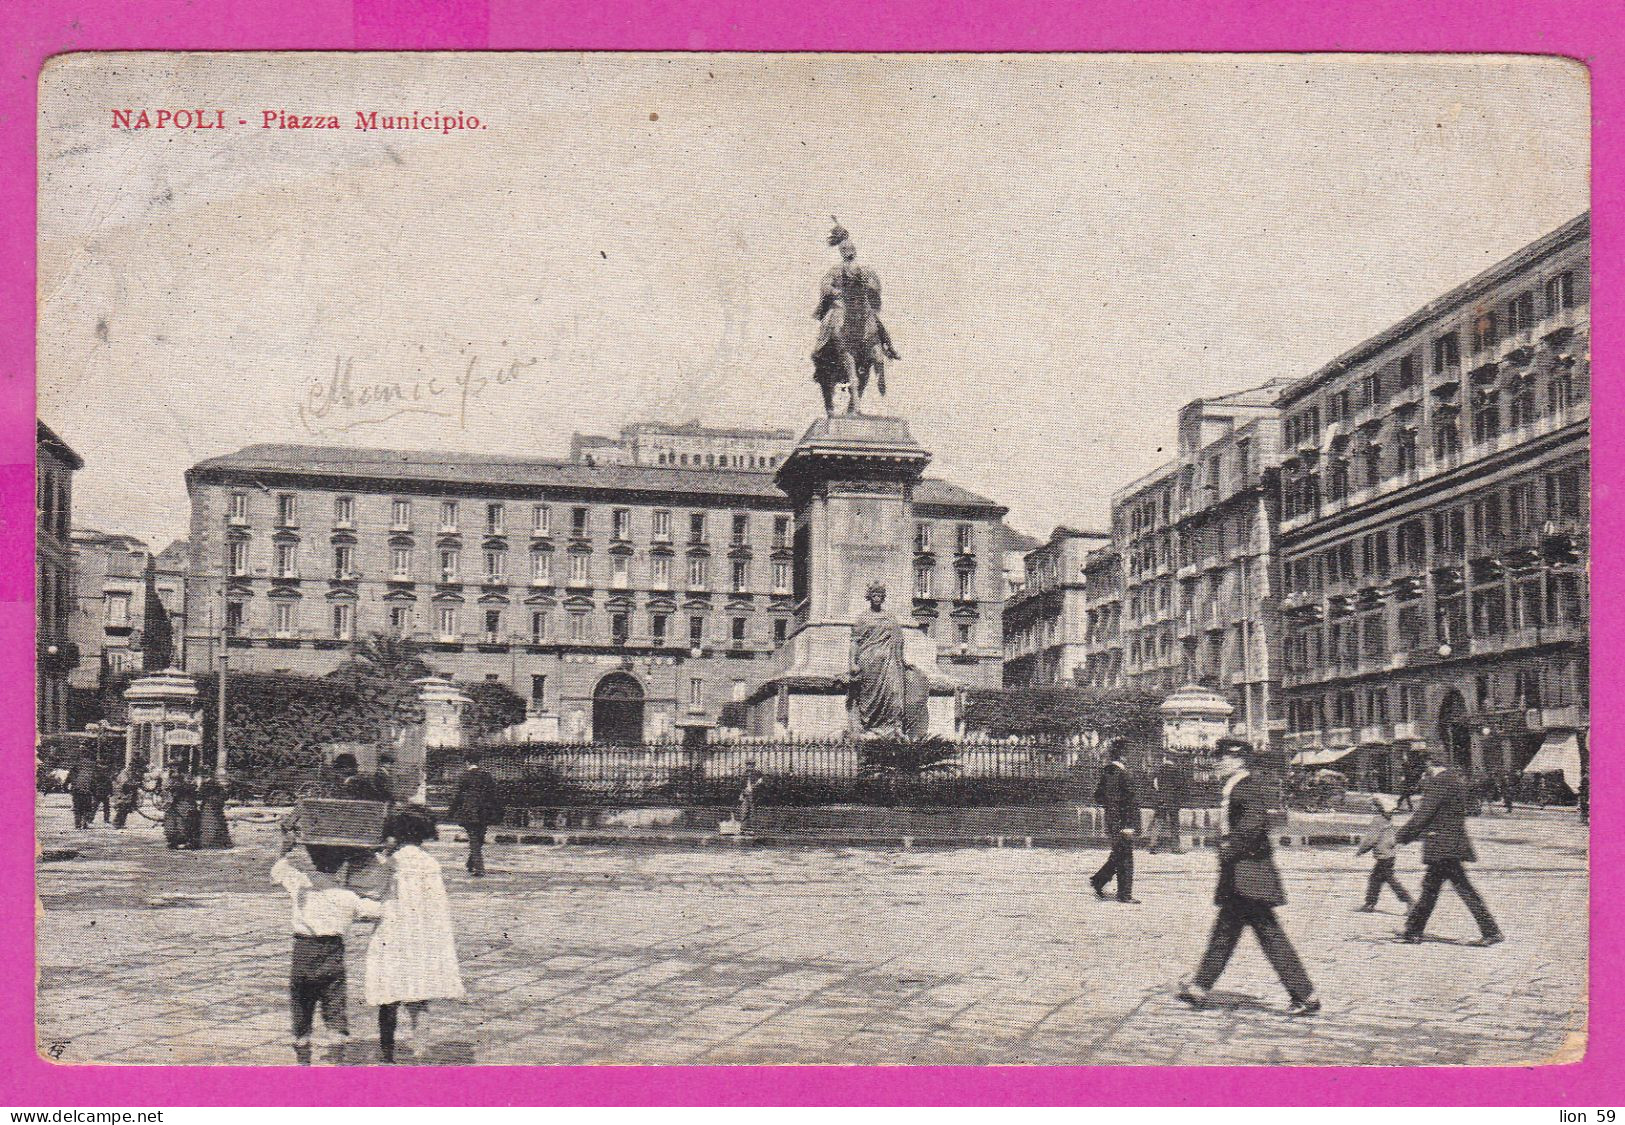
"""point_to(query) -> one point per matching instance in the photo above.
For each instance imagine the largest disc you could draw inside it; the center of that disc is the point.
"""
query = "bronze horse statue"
(853, 343)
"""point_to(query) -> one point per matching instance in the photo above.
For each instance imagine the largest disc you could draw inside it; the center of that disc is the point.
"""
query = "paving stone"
(725, 955)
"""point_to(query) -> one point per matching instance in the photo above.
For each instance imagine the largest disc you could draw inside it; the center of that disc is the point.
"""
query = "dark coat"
(1246, 855)
(1172, 785)
(1115, 795)
(1441, 822)
(476, 801)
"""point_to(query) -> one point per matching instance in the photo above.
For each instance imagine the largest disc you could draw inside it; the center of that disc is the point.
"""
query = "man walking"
(1115, 795)
(1249, 888)
(475, 805)
(82, 791)
(1441, 825)
(1169, 800)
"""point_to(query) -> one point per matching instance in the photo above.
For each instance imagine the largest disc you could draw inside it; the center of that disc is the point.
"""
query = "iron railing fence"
(1013, 772)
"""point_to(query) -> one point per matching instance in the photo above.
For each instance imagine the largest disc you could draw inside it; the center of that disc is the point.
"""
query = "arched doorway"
(1454, 731)
(617, 710)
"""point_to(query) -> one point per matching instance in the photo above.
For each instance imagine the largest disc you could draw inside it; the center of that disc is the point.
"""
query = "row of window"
(495, 517)
(964, 538)
(718, 460)
(1515, 318)
(1494, 517)
(579, 567)
(579, 625)
(1370, 465)
(1529, 601)
(1550, 685)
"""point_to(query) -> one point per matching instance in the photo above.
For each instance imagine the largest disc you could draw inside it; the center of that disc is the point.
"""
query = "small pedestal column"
(851, 482)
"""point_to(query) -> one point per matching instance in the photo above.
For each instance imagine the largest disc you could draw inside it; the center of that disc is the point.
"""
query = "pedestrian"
(1379, 841)
(412, 958)
(1407, 789)
(1441, 825)
(475, 805)
(323, 908)
(1168, 801)
(180, 812)
(103, 794)
(1249, 887)
(82, 792)
(1509, 788)
(213, 832)
(129, 794)
(1116, 797)
(747, 795)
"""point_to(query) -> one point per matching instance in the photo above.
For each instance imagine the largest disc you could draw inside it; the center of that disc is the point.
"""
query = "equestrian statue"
(852, 341)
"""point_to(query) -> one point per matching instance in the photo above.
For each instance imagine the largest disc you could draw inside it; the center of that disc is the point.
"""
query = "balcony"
(1555, 718)
(1515, 347)
(1376, 732)
(1407, 732)
(1187, 570)
(1559, 322)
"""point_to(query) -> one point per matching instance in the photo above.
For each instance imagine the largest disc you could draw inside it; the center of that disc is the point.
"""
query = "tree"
(1129, 714)
(157, 633)
(492, 707)
(382, 671)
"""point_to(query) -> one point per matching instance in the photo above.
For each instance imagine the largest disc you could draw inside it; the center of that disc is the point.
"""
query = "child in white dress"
(413, 956)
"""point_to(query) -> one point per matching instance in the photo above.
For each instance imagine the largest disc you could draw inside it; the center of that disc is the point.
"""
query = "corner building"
(1435, 515)
(624, 602)
(1194, 542)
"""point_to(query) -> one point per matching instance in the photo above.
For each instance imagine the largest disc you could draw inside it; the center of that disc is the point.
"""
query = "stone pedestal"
(851, 481)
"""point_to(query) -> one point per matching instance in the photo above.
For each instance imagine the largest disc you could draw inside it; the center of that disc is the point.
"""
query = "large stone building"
(1045, 617)
(623, 601)
(110, 615)
(56, 656)
(1434, 528)
(686, 445)
(1193, 601)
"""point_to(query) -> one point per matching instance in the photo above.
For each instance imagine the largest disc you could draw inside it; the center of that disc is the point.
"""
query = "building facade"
(1194, 601)
(1435, 528)
(686, 445)
(624, 602)
(56, 656)
(1103, 618)
(110, 612)
(1046, 616)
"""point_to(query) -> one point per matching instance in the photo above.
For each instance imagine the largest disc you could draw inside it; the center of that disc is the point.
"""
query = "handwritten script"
(347, 402)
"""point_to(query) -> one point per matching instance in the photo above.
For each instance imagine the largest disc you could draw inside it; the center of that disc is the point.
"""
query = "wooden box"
(356, 824)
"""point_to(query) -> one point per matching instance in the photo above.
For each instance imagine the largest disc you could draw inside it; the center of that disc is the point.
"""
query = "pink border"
(1586, 31)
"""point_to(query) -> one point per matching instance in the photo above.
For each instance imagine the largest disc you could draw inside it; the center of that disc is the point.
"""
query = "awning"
(1560, 753)
(1321, 757)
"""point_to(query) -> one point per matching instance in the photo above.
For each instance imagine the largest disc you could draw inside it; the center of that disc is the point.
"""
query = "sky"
(1071, 247)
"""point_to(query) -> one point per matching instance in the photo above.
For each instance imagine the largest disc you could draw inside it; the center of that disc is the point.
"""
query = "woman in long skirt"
(412, 958)
(213, 832)
(181, 812)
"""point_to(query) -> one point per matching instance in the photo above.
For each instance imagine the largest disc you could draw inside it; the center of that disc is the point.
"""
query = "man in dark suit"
(1115, 795)
(475, 805)
(1249, 888)
(1441, 825)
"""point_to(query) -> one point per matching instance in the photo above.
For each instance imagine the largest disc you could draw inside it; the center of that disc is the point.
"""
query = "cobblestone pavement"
(721, 955)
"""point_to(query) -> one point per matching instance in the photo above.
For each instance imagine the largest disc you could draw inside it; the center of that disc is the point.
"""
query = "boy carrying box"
(323, 909)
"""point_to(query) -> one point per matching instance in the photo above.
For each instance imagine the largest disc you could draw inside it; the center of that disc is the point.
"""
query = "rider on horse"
(852, 341)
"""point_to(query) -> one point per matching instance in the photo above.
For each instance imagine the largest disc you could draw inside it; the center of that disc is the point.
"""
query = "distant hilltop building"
(685, 445)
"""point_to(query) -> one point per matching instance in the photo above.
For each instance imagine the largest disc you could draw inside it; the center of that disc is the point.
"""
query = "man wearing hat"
(1441, 825)
(1249, 887)
(1116, 797)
